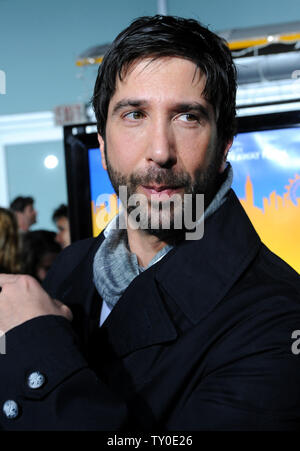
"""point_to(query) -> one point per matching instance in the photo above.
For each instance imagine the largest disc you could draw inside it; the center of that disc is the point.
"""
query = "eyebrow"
(192, 107)
(128, 102)
(181, 107)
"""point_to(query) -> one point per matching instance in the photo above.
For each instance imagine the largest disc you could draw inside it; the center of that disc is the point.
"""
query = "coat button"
(36, 380)
(10, 409)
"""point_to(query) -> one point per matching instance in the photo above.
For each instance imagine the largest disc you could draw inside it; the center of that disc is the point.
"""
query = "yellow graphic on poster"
(278, 222)
(104, 202)
(266, 179)
(102, 214)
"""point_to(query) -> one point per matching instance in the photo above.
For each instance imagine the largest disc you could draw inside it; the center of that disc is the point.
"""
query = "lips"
(161, 187)
(160, 190)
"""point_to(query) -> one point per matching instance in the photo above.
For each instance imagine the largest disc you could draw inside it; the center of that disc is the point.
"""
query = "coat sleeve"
(46, 383)
(46, 349)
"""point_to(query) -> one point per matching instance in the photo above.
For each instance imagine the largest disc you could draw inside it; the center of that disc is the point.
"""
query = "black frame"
(77, 164)
(268, 121)
(77, 146)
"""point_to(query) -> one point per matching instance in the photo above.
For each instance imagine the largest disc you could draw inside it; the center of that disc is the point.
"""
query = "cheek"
(194, 148)
(125, 149)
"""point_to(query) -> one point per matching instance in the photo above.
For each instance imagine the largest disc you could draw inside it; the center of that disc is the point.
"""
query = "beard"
(161, 212)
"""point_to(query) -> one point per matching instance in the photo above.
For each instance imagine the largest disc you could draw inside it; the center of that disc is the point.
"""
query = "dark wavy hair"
(9, 242)
(167, 36)
(60, 212)
(20, 203)
(35, 245)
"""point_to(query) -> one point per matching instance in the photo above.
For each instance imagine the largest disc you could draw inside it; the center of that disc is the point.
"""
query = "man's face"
(63, 234)
(30, 215)
(161, 136)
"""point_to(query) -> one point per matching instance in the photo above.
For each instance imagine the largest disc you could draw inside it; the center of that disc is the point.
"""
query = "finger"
(66, 311)
(7, 278)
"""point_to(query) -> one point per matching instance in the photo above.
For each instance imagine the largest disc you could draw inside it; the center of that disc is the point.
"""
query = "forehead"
(164, 77)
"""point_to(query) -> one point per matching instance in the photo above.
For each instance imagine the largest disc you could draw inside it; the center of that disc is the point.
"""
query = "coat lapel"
(140, 318)
(202, 272)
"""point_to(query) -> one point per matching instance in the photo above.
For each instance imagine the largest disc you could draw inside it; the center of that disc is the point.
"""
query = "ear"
(227, 148)
(102, 150)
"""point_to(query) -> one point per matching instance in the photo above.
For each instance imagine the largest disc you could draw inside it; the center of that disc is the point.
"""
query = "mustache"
(160, 177)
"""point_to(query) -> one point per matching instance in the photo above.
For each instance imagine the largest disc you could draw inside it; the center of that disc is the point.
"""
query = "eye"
(134, 115)
(189, 117)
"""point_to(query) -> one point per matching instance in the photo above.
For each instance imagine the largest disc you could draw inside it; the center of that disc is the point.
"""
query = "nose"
(161, 145)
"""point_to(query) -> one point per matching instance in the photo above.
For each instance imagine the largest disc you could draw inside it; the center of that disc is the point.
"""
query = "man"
(167, 333)
(26, 215)
(61, 219)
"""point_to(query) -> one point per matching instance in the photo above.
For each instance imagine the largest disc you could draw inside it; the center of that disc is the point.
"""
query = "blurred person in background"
(9, 243)
(26, 215)
(39, 251)
(61, 219)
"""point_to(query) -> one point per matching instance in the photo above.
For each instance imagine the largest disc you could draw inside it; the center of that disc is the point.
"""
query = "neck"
(144, 245)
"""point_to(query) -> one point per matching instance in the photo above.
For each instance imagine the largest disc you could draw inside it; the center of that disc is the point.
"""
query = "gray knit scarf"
(115, 266)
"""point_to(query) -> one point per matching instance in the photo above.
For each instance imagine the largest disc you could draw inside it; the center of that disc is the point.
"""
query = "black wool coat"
(202, 340)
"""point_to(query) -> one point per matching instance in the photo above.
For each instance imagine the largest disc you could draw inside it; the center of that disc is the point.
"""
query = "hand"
(22, 298)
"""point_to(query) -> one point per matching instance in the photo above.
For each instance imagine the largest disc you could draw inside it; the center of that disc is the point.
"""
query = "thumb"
(64, 309)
